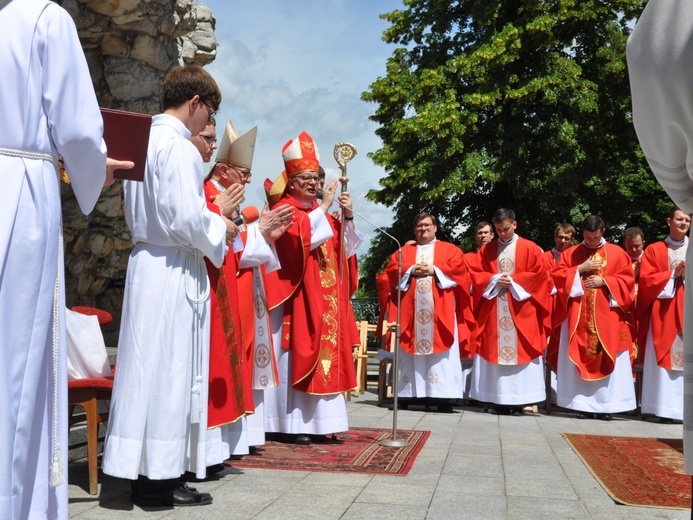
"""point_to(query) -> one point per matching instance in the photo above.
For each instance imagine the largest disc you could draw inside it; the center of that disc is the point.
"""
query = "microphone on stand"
(247, 215)
(394, 442)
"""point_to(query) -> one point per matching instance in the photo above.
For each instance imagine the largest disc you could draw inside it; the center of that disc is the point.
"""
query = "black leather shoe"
(302, 440)
(180, 496)
(585, 415)
(604, 416)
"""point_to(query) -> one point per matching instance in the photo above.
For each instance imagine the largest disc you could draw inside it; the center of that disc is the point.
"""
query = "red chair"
(86, 393)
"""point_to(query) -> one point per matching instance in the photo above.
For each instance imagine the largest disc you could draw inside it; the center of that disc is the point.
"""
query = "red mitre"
(301, 155)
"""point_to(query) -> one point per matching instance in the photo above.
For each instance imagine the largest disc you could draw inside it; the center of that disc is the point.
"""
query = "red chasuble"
(528, 315)
(556, 315)
(230, 396)
(449, 259)
(318, 325)
(665, 316)
(598, 332)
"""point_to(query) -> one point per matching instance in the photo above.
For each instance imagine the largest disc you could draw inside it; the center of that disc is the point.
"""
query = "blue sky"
(290, 66)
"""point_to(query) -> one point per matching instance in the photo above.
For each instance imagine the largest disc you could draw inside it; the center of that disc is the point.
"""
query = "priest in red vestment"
(595, 284)
(236, 382)
(510, 300)
(434, 279)
(660, 315)
(563, 237)
(313, 324)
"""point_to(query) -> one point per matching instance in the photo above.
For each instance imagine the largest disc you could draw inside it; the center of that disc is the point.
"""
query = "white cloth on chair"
(86, 350)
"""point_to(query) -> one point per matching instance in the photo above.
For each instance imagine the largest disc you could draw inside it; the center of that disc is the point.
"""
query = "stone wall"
(130, 46)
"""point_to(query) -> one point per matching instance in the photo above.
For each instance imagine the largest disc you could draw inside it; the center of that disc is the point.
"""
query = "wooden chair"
(361, 356)
(86, 393)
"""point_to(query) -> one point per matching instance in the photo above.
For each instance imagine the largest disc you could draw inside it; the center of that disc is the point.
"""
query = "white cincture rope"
(31, 155)
(196, 271)
(56, 464)
(56, 478)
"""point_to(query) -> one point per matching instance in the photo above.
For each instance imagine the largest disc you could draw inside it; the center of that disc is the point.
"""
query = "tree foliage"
(522, 104)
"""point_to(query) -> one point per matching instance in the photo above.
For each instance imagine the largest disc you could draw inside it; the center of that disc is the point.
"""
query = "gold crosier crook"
(343, 153)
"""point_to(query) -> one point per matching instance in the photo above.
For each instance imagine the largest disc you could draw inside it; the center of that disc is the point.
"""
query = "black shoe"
(585, 415)
(445, 408)
(517, 410)
(302, 440)
(666, 420)
(180, 496)
(604, 416)
(502, 409)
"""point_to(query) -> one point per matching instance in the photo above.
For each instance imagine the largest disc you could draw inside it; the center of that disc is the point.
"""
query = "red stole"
(318, 324)
(598, 332)
(528, 315)
(449, 259)
(229, 398)
(664, 316)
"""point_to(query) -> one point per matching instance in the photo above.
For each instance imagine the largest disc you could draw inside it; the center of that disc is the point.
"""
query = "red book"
(127, 137)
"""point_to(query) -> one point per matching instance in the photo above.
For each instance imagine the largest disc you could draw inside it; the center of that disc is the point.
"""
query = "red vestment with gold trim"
(597, 331)
(230, 392)
(318, 324)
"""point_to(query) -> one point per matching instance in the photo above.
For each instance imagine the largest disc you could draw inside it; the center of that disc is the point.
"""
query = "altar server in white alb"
(48, 109)
(660, 54)
(159, 404)
(660, 302)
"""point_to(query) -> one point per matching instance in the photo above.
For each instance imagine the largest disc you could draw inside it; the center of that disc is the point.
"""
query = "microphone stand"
(394, 442)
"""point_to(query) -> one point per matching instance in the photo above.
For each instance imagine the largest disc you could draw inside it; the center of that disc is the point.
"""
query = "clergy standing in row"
(595, 284)
(660, 300)
(313, 325)
(510, 294)
(434, 278)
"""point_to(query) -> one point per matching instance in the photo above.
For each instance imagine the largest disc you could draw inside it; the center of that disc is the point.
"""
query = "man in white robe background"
(48, 108)
(660, 54)
(159, 403)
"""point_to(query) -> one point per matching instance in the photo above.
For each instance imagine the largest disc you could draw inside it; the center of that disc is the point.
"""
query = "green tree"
(518, 104)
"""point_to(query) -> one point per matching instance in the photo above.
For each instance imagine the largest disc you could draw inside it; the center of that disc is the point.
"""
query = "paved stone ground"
(474, 465)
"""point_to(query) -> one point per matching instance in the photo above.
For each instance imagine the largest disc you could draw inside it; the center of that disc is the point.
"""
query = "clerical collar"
(217, 185)
(601, 243)
(420, 244)
(510, 241)
(556, 252)
(637, 258)
(676, 243)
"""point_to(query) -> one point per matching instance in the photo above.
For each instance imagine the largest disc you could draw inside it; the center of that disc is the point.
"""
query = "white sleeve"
(320, 229)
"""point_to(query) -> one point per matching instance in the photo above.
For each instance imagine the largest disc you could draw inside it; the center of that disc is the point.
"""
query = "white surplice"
(660, 54)
(291, 411)
(48, 106)
(158, 422)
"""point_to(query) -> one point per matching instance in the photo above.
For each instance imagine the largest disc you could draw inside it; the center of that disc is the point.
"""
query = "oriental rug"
(636, 471)
(356, 451)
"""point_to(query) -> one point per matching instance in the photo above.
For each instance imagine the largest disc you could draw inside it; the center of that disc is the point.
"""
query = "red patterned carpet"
(637, 471)
(358, 452)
